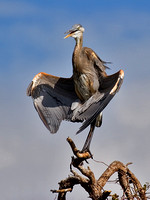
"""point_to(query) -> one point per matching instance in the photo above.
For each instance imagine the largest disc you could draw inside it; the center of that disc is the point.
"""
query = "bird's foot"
(87, 151)
(81, 156)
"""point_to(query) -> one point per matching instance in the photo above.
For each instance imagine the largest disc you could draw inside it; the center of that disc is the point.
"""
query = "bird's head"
(76, 31)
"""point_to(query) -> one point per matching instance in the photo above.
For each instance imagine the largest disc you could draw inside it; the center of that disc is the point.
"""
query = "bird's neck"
(79, 42)
(77, 51)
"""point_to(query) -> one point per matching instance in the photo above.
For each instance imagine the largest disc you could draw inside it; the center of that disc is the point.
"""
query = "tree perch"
(95, 188)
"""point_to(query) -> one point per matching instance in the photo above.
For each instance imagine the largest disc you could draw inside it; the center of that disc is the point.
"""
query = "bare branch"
(138, 185)
(95, 187)
(77, 153)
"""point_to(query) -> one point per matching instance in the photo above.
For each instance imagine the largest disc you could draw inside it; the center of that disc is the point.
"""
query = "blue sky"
(31, 40)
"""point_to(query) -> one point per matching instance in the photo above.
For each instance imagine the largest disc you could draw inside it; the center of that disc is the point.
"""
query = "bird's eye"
(78, 27)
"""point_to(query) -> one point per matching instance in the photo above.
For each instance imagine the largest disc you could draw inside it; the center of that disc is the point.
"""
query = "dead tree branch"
(95, 188)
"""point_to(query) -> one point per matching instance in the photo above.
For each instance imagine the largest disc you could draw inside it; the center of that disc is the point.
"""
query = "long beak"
(69, 35)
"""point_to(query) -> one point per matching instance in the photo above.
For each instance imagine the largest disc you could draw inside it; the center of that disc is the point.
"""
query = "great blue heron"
(79, 98)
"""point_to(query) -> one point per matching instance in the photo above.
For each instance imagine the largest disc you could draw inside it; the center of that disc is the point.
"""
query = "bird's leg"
(86, 146)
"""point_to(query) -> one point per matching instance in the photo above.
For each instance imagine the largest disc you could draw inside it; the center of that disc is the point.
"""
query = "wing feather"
(92, 56)
(52, 98)
(55, 99)
(100, 100)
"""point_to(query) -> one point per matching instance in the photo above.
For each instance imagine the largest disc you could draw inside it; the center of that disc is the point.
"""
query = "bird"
(80, 98)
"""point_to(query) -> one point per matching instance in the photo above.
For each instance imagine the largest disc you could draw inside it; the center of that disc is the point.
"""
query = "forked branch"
(94, 187)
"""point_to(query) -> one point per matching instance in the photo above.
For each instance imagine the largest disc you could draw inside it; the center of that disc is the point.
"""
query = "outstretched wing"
(52, 97)
(96, 103)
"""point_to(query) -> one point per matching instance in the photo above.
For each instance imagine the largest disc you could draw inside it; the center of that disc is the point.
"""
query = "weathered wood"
(94, 187)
